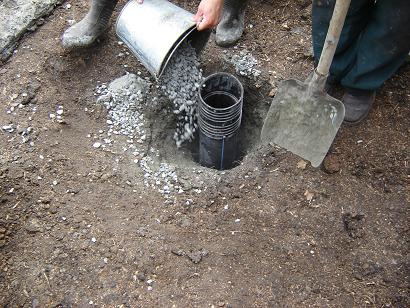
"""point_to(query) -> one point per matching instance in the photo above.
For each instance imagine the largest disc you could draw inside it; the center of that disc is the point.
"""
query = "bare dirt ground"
(78, 228)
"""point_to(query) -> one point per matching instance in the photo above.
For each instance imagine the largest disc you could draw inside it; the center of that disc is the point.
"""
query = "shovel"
(302, 117)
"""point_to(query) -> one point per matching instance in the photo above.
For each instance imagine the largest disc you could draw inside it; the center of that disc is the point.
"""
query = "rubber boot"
(357, 105)
(85, 32)
(231, 26)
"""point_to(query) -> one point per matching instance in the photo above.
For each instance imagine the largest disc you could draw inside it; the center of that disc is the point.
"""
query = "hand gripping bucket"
(219, 119)
(154, 29)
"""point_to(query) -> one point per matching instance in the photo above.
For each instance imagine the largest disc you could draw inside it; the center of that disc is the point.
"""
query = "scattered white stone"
(8, 128)
(245, 64)
(96, 145)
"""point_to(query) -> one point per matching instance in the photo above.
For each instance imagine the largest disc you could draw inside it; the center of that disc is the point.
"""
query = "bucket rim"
(239, 100)
(220, 119)
(214, 137)
(174, 48)
(217, 133)
(186, 31)
(208, 108)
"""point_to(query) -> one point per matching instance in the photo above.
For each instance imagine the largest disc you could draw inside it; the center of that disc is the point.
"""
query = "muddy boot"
(357, 105)
(85, 32)
(230, 28)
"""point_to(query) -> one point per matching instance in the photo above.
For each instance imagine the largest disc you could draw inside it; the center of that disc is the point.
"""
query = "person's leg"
(383, 46)
(381, 50)
(356, 20)
(85, 32)
(230, 28)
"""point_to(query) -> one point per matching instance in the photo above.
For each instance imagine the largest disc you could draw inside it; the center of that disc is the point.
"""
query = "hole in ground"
(255, 107)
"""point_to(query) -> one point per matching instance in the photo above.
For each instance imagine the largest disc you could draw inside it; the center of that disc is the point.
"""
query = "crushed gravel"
(180, 83)
(125, 100)
(245, 64)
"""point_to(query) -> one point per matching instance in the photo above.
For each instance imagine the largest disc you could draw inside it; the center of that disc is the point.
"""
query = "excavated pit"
(255, 107)
(141, 125)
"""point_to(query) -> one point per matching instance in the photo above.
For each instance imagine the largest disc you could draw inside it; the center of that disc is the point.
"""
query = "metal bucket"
(219, 120)
(154, 29)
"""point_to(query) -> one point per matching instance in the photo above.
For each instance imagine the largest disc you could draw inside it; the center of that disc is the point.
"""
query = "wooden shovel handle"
(333, 35)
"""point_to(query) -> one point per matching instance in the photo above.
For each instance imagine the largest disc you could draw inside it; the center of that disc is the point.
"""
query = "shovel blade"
(304, 124)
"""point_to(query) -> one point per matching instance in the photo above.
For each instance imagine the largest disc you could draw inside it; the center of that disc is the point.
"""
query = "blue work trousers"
(374, 43)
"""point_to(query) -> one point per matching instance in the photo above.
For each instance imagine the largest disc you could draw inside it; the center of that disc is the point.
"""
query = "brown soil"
(272, 233)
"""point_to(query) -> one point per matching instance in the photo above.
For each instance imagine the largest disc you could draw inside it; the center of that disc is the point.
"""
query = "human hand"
(208, 14)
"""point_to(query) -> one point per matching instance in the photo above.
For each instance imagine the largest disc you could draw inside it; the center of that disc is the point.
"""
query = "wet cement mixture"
(98, 207)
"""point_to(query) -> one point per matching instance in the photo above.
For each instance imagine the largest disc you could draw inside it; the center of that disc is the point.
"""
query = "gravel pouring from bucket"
(155, 29)
(302, 117)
